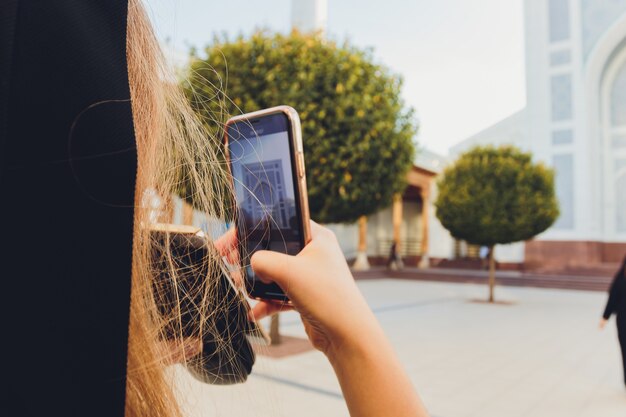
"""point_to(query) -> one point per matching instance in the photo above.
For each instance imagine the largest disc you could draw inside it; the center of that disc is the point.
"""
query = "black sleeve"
(67, 187)
(614, 295)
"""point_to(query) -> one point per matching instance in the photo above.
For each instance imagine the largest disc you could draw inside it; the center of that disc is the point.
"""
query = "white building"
(410, 220)
(309, 15)
(574, 121)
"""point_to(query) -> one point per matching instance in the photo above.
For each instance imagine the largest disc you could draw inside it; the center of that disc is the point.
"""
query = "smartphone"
(265, 158)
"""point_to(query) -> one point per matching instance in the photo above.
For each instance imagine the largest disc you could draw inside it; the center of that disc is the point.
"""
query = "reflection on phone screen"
(261, 165)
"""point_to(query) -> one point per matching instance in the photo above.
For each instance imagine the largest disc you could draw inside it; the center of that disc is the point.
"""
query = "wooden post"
(397, 225)
(361, 262)
(274, 329)
(424, 259)
(397, 218)
(362, 234)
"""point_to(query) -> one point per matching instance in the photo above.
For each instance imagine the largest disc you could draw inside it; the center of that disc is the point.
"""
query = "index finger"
(264, 308)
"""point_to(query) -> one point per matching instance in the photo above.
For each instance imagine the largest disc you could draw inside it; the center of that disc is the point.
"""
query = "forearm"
(372, 379)
(339, 322)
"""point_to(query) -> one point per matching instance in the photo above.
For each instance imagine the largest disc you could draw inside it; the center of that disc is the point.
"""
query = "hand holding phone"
(339, 322)
(265, 158)
(267, 165)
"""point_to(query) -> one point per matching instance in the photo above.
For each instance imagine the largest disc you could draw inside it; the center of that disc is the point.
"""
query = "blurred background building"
(309, 15)
(411, 219)
(574, 121)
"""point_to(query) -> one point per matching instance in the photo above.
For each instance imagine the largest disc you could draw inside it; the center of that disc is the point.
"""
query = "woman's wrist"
(361, 342)
(372, 378)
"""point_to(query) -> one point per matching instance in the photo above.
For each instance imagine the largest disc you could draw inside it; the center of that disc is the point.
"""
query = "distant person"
(394, 260)
(617, 304)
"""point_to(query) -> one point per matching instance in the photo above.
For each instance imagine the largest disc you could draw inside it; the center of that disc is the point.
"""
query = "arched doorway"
(604, 72)
(613, 125)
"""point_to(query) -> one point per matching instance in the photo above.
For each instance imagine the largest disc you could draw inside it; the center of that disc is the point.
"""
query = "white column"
(309, 15)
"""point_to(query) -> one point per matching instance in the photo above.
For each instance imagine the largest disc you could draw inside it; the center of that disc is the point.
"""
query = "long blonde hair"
(169, 136)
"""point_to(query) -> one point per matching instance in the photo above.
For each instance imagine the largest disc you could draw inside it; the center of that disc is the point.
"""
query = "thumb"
(273, 266)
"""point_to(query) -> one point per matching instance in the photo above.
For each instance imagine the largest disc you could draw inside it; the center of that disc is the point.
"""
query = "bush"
(357, 131)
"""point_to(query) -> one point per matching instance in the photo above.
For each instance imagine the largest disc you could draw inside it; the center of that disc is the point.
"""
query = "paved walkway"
(541, 355)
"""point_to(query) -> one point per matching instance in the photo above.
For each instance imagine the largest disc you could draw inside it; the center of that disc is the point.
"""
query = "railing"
(408, 247)
(465, 250)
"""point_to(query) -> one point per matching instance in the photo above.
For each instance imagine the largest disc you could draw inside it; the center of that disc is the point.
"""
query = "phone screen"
(261, 158)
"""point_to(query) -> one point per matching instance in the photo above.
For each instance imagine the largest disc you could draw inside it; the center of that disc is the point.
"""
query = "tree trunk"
(492, 274)
(424, 261)
(274, 329)
(361, 263)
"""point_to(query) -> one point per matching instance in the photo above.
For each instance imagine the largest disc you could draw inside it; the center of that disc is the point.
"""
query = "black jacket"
(68, 164)
(67, 187)
(617, 296)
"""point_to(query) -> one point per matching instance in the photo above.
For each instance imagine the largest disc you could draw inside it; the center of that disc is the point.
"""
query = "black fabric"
(621, 333)
(617, 295)
(68, 166)
(8, 18)
(67, 190)
(616, 304)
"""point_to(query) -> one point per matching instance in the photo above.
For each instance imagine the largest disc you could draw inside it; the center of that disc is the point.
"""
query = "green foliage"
(356, 129)
(496, 195)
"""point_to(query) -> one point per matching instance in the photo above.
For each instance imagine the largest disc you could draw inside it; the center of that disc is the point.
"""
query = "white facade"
(575, 118)
(309, 15)
(380, 224)
(507, 131)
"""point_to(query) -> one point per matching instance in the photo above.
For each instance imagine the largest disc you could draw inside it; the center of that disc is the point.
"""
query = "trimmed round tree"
(357, 131)
(495, 196)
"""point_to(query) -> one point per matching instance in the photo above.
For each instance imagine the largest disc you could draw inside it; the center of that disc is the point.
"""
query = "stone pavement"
(540, 354)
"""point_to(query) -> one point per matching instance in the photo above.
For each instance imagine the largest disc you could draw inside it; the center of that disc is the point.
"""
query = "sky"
(462, 61)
